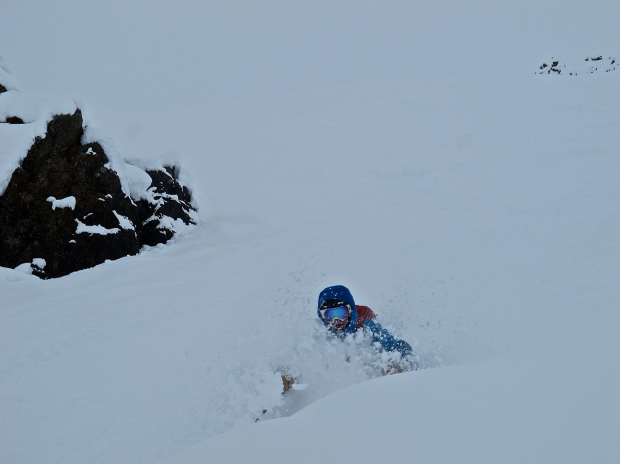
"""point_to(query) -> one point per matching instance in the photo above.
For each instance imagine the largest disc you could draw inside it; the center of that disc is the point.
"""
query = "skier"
(338, 311)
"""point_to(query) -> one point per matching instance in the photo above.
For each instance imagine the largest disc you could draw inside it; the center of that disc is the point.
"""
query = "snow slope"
(535, 411)
(475, 212)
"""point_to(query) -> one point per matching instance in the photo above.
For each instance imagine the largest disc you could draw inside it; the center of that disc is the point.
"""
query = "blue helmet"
(340, 293)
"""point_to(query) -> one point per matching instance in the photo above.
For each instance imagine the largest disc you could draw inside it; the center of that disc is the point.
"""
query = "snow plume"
(289, 340)
(320, 363)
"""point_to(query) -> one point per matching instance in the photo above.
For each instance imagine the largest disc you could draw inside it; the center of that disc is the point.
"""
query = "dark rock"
(14, 120)
(2, 88)
(59, 166)
(175, 203)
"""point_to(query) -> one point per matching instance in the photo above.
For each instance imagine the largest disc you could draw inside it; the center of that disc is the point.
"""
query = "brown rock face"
(59, 166)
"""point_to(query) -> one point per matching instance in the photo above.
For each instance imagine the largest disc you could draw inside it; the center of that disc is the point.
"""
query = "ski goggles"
(329, 315)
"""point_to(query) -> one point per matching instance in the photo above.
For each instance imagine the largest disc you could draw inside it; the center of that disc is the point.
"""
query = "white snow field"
(406, 150)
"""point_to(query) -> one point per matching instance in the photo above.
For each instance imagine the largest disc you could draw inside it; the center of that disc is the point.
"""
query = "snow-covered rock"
(68, 201)
(589, 65)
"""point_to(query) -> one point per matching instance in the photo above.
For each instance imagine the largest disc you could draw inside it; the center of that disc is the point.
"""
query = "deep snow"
(476, 211)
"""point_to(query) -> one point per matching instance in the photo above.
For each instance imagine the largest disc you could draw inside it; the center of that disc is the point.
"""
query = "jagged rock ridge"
(65, 208)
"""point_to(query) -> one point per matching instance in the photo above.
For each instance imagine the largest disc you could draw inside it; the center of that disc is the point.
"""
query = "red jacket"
(364, 313)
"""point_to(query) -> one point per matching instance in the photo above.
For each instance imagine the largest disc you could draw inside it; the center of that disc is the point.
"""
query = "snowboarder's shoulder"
(364, 313)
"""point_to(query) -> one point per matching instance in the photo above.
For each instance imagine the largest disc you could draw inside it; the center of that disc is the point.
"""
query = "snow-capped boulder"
(70, 205)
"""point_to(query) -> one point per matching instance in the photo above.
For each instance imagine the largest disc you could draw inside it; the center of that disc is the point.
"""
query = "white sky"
(162, 54)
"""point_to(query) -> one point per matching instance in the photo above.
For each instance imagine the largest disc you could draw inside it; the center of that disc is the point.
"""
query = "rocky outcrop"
(65, 208)
(589, 65)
